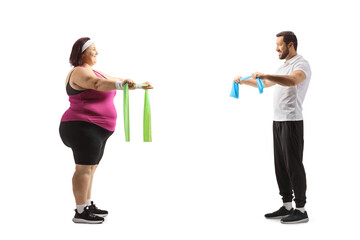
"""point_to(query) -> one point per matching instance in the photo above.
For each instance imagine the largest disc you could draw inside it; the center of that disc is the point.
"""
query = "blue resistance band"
(235, 87)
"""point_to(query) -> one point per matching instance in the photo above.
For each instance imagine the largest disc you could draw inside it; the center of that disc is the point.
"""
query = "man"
(291, 82)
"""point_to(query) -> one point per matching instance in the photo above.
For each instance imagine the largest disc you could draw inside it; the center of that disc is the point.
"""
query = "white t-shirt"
(288, 100)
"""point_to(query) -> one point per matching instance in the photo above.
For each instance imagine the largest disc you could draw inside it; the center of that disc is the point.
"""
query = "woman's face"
(90, 54)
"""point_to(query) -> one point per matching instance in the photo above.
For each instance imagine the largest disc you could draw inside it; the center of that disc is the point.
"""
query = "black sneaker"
(296, 217)
(281, 213)
(87, 217)
(96, 211)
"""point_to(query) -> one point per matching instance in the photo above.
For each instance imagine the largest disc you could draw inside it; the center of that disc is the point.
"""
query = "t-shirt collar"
(293, 59)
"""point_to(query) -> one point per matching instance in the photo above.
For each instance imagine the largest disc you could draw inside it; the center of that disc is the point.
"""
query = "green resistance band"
(147, 115)
(126, 113)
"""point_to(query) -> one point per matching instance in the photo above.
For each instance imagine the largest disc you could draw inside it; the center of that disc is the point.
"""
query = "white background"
(208, 174)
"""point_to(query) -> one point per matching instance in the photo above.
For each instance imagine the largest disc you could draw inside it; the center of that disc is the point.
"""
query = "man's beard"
(284, 54)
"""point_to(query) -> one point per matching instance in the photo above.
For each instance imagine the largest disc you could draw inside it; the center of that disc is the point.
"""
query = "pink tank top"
(93, 106)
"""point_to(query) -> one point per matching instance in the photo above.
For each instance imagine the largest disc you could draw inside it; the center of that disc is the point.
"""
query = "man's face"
(281, 48)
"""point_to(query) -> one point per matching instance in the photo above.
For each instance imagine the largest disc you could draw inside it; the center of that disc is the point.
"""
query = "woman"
(88, 123)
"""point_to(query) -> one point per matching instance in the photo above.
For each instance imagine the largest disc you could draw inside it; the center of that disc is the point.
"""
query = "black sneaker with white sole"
(296, 217)
(96, 211)
(87, 217)
(279, 214)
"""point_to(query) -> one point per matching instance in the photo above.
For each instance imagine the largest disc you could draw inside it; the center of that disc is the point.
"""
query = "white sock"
(88, 202)
(301, 209)
(288, 205)
(80, 208)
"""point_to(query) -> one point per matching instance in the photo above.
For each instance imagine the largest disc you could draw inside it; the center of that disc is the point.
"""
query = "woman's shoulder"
(76, 75)
(103, 74)
(99, 72)
(80, 71)
(76, 72)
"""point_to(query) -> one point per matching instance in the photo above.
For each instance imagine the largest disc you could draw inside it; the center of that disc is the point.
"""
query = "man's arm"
(252, 82)
(293, 79)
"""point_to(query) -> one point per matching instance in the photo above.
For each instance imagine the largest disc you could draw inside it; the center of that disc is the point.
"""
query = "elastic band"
(86, 45)
(235, 87)
(139, 86)
(260, 85)
(245, 78)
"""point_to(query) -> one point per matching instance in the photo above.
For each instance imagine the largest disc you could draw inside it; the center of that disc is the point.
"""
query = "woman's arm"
(122, 79)
(110, 77)
(85, 79)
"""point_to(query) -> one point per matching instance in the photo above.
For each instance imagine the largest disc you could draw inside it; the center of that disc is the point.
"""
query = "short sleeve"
(303, 66)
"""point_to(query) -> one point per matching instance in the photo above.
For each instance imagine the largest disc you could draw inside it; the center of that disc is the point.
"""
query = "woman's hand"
(130, 83)
(147, 87)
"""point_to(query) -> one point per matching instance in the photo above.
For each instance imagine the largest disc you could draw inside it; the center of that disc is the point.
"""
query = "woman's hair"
(76, 53)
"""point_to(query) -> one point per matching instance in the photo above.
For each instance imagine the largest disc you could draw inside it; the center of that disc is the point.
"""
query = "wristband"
(119, 85)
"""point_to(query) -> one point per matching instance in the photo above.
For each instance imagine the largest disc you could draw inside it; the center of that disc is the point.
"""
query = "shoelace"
(93, 206)
(89, 213)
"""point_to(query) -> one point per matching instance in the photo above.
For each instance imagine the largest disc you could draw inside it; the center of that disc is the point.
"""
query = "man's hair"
(288, 37)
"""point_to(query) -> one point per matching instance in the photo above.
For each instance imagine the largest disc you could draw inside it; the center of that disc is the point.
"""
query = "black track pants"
(288, 156)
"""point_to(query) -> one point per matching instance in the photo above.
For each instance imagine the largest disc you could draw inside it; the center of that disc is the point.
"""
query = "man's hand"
(257, 75)
(237, 79)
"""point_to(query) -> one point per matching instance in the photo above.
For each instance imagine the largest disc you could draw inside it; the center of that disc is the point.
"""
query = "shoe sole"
(80, 220)
(100, 215)
(294, 222)
(278, 217)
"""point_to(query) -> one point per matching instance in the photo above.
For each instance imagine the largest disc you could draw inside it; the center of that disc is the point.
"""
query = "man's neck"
(290, 56)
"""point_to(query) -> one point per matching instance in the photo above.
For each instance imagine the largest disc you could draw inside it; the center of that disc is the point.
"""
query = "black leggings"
(86, 140)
